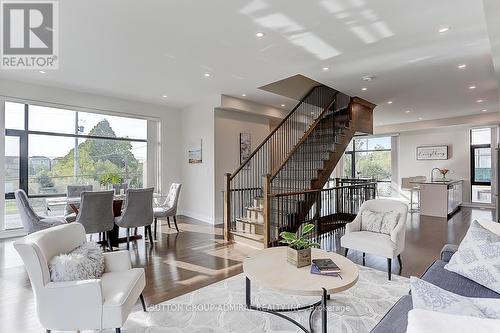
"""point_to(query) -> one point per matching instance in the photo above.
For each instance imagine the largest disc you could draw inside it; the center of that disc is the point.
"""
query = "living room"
(250, 166)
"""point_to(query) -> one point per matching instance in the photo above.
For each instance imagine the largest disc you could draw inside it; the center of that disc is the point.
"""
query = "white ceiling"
(144, 49)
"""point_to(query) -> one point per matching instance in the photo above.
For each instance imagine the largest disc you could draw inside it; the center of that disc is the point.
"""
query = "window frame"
(353, 152)
(24, 146)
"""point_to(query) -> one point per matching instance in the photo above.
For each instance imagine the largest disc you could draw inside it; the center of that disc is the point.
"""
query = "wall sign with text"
(432, 153)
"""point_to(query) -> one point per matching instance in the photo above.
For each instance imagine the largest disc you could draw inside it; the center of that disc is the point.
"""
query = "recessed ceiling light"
(325, 69)
(42, 72)
(364, 89)
(472, 87)
(164, 96)
(484, 110)
(407, 111)
(244, 95)
(206, 74)
(420, 118)
(260, 34)
(462, 66)
(368, 78)
(283, 105)
(389, 102)
(479, 101)
(443, 30)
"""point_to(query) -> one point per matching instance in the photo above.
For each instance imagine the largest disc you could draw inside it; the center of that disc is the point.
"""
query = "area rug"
(220, 308)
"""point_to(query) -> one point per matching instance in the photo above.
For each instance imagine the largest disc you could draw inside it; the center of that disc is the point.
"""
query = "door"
(481, 173)
(14, 168)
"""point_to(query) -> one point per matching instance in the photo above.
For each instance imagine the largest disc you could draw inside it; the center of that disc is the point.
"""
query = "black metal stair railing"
(246, 183)
(332, 208)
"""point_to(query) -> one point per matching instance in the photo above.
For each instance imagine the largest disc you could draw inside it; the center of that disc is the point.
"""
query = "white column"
(2, 165)
(152, 167)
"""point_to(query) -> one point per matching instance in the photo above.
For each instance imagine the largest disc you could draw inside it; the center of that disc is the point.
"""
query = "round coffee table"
(270, 269)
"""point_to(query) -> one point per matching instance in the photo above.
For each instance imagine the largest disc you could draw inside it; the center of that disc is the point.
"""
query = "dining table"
(114, 234)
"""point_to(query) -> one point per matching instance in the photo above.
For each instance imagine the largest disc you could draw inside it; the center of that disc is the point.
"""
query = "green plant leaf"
(307, 228)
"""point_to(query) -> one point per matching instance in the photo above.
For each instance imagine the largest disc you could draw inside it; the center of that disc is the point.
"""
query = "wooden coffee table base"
(321, 305)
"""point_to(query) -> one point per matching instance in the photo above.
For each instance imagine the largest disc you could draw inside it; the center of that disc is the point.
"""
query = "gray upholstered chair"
(138, 211)
(74, 191)
(96, 213)
(30, 219)
(167, 208)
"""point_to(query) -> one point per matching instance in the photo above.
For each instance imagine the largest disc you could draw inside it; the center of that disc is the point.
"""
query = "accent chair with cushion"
(378, 229)
(31, 221)
(74, 191)
(138, 212)
(168, 208)
(95, 304)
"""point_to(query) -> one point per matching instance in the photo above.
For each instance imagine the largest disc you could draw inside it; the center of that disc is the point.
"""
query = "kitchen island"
(440, 198)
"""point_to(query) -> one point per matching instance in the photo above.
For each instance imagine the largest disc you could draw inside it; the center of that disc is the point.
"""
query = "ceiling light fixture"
(325, 69)
(407, 111)
(462, 66)
(479, 101)
(260, 34)
(443, 30)
(244, 95)
(282, 105)
(420, 118)
(368, 78)
(364, 89)
(164, 96)
(484, 110)
(42, 72)
(472, 87)
(389, 102)
(207, 74)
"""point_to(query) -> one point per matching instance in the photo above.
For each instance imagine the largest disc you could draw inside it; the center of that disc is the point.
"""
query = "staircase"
(297, 158)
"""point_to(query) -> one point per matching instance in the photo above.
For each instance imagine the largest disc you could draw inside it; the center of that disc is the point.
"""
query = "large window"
(480, 139)
(370, 158)
(47, 149)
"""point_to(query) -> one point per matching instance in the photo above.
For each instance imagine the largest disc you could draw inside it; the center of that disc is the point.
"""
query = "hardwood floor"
(198, 256)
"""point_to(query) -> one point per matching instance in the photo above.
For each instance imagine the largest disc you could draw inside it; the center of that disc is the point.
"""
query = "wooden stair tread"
(255, 237)
(249, 221)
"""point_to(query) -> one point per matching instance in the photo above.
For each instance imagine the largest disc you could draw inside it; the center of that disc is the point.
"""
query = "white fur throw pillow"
(379, 222)
(83, 263)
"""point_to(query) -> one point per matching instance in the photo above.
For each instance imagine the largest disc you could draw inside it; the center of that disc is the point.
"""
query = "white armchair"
(388, 246)
(79, 305)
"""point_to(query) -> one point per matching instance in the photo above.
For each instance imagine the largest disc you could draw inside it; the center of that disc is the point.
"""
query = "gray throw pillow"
(379, 222)
(427, 296)
(478, 257)
(83, 263)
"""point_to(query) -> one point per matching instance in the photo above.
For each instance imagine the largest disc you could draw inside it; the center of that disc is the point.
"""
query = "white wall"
(457, 139)
(197, 193)
(228, 126)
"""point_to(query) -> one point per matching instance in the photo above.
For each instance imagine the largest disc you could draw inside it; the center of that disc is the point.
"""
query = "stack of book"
(325, 267)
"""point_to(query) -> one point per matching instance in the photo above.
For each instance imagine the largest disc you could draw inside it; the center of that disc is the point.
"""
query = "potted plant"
(299, 248)
(109, 179)
(443, 172)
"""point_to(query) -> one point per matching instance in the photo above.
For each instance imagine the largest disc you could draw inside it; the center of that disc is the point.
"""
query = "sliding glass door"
(481, 165)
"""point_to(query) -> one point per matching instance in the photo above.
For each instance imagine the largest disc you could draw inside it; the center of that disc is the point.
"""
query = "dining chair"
(118, 187)
(138, 212)
(74, 191)
(96, 213)
(168, 208)
(30, 220)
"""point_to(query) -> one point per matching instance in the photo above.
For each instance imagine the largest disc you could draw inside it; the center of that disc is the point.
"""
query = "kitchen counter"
(440, 198)
(439, 182)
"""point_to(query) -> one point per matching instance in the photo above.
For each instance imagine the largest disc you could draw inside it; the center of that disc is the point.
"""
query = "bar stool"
(409, 184)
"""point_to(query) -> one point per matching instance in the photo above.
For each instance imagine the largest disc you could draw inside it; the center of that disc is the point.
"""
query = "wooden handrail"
(272, 132)
(306, 134)
(286, 194)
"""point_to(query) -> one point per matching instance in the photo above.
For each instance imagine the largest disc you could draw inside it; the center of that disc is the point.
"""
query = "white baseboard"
(12, 233)
(196, 216)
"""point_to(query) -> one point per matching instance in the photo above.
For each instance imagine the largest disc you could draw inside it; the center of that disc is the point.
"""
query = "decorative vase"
(298, 258)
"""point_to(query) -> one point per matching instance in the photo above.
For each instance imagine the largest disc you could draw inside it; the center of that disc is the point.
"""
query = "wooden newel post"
(266, 190)
(227, 206)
